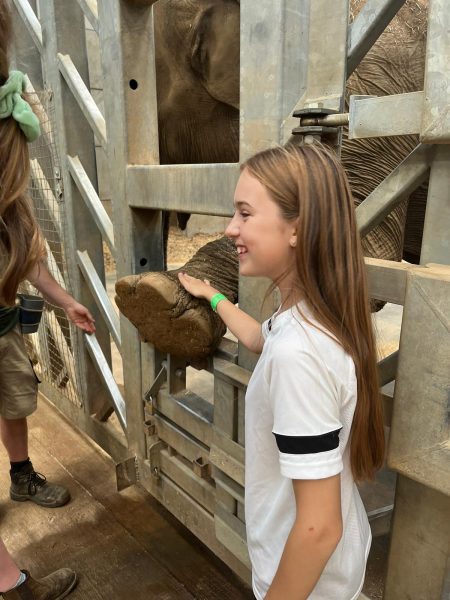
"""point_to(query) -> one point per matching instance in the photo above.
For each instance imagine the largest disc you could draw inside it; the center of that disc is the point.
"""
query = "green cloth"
(9, 317)
(12, 104)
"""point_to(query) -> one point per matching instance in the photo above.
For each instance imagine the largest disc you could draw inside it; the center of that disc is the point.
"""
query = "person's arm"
(313, 538)
(41, 278)
(243, 326)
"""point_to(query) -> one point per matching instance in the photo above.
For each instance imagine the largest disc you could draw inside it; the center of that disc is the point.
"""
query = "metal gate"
(187, 450)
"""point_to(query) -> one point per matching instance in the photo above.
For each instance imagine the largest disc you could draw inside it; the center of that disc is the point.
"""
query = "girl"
(313, 415)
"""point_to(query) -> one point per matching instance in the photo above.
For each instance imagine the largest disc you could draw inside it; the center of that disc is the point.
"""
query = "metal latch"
(159, 380)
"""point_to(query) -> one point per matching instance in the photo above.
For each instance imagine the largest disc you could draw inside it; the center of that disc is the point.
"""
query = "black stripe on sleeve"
(307, 444)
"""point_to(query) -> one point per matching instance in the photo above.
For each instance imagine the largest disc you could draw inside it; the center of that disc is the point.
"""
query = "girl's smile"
(264, 240)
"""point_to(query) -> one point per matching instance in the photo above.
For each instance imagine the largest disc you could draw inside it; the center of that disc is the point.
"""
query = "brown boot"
(55, 586)
(27, 484)
(168, 316)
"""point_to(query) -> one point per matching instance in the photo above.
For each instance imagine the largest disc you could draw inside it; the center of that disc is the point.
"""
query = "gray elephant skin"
(197, 67)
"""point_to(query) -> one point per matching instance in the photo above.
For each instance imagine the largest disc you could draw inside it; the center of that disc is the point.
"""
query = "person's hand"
(197, 287)
(80, 316)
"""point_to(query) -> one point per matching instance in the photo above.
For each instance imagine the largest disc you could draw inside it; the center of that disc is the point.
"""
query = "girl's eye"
(244, 214)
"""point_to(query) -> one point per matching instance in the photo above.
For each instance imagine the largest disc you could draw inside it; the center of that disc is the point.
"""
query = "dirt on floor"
(180, 248)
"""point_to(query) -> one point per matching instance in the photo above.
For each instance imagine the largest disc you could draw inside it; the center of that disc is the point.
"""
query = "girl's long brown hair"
(309, 184)
(21, 242)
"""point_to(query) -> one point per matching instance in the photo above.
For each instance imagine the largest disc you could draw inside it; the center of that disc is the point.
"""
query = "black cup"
(30, 313)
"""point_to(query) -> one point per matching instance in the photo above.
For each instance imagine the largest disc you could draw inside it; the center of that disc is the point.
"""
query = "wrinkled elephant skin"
(197, 62)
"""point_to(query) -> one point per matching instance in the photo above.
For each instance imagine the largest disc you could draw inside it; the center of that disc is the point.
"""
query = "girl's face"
(264, 239)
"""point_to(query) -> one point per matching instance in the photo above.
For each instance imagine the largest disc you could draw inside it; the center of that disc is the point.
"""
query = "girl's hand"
(197, 287)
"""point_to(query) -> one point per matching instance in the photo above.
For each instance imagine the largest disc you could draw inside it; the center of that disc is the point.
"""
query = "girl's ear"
(293, 238)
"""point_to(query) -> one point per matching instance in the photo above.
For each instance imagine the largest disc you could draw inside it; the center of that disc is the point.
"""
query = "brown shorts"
(18, 382)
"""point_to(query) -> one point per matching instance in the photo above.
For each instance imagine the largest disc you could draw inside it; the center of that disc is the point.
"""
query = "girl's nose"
(232, 229)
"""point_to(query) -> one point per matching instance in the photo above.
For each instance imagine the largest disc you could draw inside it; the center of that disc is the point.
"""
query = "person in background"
(22, 256)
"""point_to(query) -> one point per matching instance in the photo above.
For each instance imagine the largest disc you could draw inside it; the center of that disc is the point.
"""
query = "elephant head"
(197, 65)
(197, 70)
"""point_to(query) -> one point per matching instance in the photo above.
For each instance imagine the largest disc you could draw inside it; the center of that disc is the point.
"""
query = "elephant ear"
(215, 50)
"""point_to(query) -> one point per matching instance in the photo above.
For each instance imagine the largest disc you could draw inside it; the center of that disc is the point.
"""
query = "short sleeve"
(306, 409)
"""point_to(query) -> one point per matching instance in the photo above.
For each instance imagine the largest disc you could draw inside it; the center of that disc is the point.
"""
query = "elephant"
(197, 66)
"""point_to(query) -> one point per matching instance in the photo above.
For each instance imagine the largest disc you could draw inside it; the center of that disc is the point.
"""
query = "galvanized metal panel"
(201, 490)
(419, 547)
(399, 114)
(387, 280)
(63, 31)
(83, 96)
(327, 55)
(419, 446)
(100, 295)
(192, 515)
(189, 411)
(31, 22)
(267, 102)
(436, 113)
(106, 374)
(90, 10)
(436, 231)
(92, 200)
(204, 189)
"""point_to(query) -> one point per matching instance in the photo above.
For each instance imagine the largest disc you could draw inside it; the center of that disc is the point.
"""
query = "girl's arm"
(41, 278)
(314, 536)
(243, 326)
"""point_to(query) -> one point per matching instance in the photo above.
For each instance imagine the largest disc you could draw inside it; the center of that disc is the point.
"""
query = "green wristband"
(215, 301)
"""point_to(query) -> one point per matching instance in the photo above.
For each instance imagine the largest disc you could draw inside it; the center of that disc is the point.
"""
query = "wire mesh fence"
(52, 347)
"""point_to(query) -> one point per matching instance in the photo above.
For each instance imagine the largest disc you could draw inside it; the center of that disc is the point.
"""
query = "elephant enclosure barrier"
(186, 450)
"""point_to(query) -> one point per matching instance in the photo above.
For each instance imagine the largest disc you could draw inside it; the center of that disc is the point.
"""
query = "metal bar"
(100, 295)
(337, 120)
(127, 52)
(367, 27)
(436, 231)
(89, 8)
(387, 368)
(267, 102)
(102, 366)
(207, 189)
(189, 411)
(399, 114)
(403, 180)
(387, 280)
(180, 440)
(92, 200)
(327, 55)
(31, 22)
(83, 96)
(436, 112)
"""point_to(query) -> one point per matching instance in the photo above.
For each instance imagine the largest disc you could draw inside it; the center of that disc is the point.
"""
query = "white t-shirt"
(299, 410)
